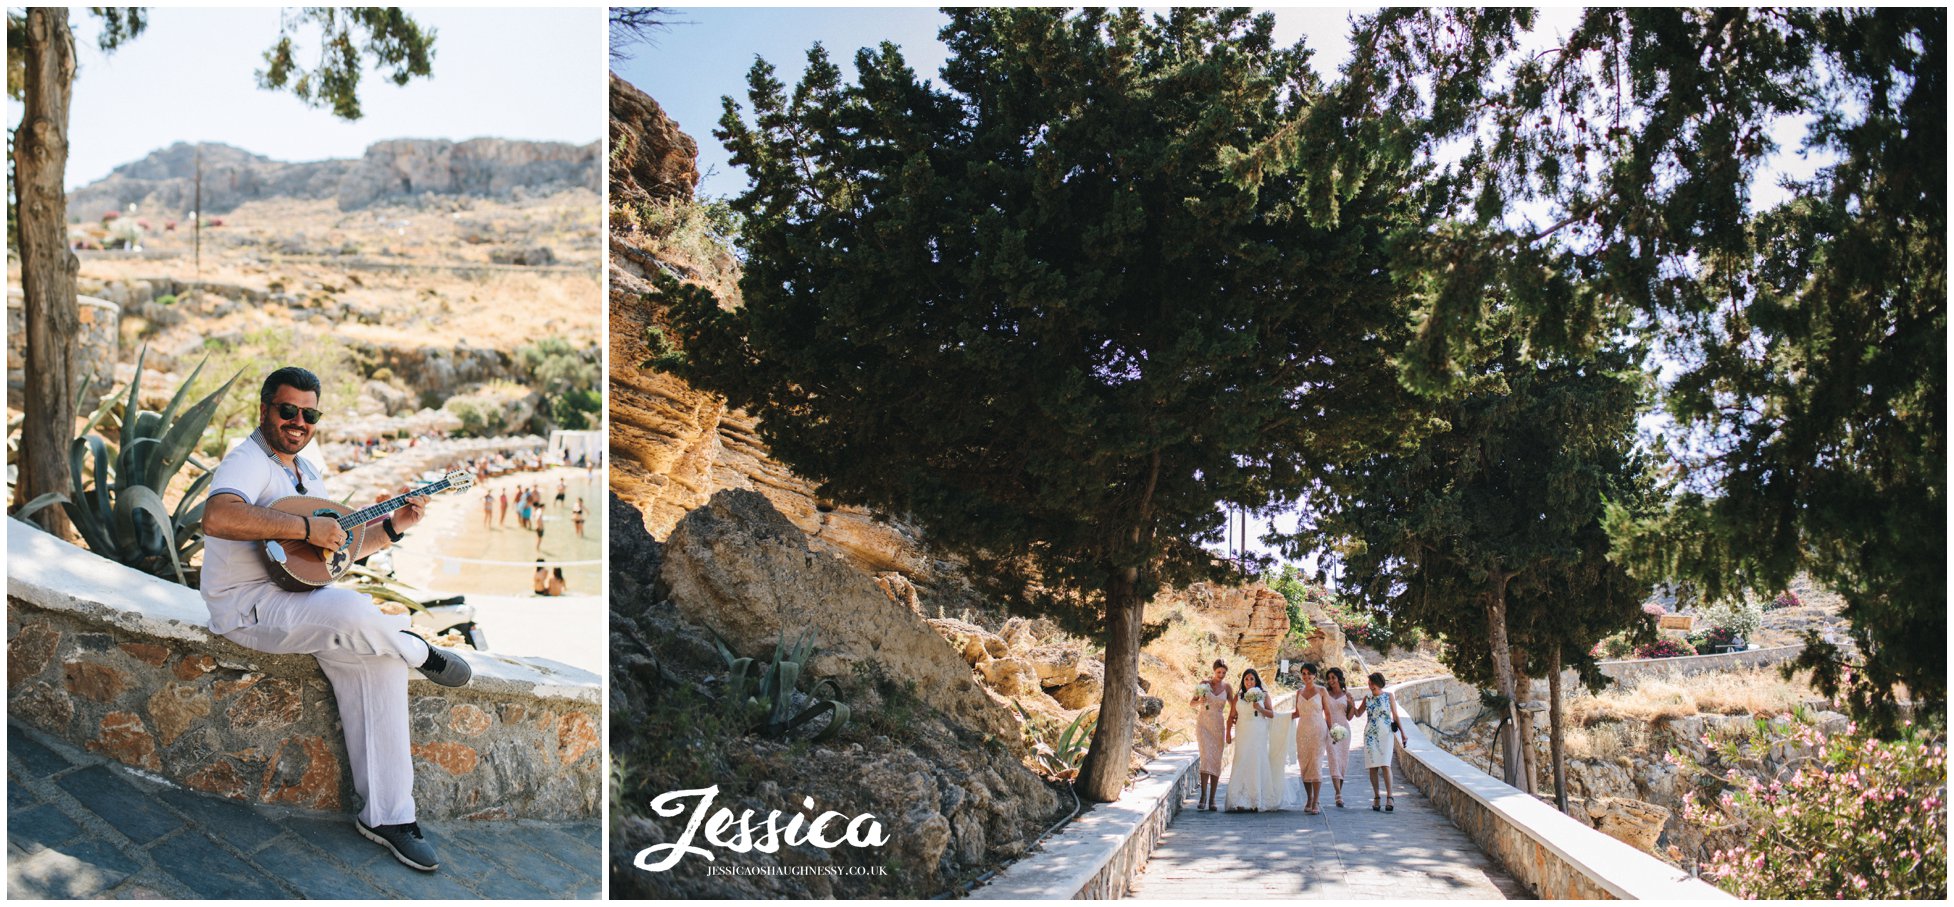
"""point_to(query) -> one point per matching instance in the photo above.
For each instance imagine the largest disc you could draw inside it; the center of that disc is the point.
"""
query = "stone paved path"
(81, 826)
(1414, 852)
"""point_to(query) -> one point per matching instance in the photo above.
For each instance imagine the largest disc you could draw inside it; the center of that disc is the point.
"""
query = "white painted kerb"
(52, 574)
(1069, 862)
(1624, 871)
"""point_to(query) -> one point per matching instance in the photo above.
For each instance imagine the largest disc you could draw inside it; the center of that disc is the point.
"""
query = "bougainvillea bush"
(1864, 818)
(1664, 648)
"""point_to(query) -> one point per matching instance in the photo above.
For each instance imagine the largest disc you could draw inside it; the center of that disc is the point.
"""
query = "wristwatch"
(393, 535)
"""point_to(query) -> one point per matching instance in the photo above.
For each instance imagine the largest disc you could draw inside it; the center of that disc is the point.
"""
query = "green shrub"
(1864, 818)
(1296, 592)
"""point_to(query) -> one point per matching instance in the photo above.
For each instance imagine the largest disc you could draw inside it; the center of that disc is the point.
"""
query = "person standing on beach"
(505, 508)
(488, 507)
(576, 517)
(538, 517)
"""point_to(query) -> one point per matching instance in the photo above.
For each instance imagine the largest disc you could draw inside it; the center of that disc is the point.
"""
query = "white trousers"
(366, 659)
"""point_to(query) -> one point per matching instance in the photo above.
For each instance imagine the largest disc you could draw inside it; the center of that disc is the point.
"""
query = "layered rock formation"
(1253, 619)
(651, 158)
(673, 446)
(165, 180)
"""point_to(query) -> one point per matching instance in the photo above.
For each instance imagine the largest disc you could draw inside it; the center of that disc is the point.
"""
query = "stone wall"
(96, 345)
(120, 663)
(1554, 855)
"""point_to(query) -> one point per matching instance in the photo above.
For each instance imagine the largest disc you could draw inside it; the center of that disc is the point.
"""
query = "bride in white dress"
(1249, 786)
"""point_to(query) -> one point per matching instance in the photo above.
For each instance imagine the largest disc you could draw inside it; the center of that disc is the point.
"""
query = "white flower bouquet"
(1253, 697)
(1339, 734)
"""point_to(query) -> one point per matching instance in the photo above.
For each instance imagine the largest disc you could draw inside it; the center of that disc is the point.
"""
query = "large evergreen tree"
(1807, 340)
(1490, 531)
(1062, 308)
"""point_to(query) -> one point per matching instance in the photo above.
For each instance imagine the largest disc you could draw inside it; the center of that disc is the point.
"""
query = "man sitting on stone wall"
(365, 654)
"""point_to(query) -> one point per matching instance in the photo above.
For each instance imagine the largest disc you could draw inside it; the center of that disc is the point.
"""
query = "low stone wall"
(95, 345)
(1691, 664)
(1552, 854)
(1447, 704)
(1098, 855)
(119, 662)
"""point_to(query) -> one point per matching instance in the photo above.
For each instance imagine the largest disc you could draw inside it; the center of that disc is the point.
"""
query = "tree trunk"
(1529, 760)
(1503, 677)
(47, 267)
(1103, 777)
(1554, 731)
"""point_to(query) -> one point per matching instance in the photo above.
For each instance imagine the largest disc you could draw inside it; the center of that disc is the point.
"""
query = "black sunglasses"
(288, 411)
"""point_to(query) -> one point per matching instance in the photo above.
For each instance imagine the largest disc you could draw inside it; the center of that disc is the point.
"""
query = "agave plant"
(1060, 752)
(116, 498)
(382, 586)
(773, 689)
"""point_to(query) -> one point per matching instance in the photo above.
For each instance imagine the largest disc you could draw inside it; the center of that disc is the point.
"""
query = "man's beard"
(274, 434)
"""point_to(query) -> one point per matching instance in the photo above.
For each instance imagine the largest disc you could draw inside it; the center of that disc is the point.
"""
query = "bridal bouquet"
(1254, 696)
(1339, 734)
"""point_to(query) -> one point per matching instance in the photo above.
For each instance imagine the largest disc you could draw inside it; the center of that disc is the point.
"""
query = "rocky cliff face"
(651, 158)
(165, 180)
(673, 446)
(1253, 619)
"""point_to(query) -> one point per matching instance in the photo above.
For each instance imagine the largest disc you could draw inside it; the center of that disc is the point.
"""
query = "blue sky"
(706, 52)
(507, 73)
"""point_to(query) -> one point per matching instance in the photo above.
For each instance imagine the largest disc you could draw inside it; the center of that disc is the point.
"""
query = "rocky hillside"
(924, 750)
(164, 182)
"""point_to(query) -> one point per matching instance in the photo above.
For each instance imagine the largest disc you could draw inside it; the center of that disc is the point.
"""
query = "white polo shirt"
(235, 578)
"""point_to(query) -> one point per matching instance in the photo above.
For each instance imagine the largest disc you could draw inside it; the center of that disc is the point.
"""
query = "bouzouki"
(297, 565)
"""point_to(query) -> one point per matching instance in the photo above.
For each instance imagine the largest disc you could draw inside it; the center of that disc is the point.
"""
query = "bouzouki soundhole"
(301, 567)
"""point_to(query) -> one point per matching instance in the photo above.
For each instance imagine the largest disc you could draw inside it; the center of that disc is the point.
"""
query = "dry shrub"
(1757, 691)
(1613, 741)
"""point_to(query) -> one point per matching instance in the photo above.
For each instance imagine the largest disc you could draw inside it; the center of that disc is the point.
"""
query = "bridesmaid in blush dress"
(1211, 700)
(1337, 699)
(1312, 729)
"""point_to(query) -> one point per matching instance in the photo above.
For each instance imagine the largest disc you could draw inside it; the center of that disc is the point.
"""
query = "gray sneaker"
(444, 667)
(405, 842)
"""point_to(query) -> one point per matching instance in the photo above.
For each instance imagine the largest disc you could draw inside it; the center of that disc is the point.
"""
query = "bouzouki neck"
(366, 515)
